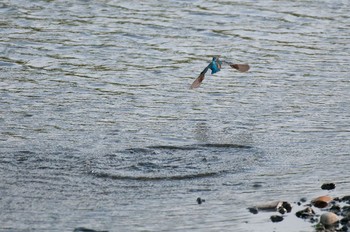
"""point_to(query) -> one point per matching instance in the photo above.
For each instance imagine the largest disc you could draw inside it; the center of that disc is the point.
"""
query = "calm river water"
(98, 127)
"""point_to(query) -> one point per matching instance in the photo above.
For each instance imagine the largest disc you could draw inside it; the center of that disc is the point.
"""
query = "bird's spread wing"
(239, 67)
(199, 79)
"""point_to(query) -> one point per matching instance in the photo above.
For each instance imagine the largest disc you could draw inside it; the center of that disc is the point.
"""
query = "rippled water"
(98, 127)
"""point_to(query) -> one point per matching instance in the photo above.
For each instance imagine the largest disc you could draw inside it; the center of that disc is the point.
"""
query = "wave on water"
(203, 145)
(226, 145)
(153, 178)
(165, 162)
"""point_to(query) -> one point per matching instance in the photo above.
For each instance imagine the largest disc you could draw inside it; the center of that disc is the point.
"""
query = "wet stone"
(200, 200)
(276, 218)
(328, 186)
(308, 212)
(344, 221)
(313, 220)
(335, 209)
(287, 206)
(329, 219)
(346, 210)
(280, 206)
(346, 199)
(281, 210)
(253, 210)
(322, 201)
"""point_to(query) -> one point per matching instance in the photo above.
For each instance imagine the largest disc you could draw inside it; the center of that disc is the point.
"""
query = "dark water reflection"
(99, 129)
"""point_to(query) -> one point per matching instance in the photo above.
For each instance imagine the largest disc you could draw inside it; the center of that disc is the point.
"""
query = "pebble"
(276, 218)
(302, 200)
(335, 209)
(329, 219)
(308, 212)
(321, 202)
(200, 200)
(344, 221)
(253, 210)
(268, 206)
(280, 206)
(328, 186)
(346, 199)
(346, 210)
(281, 210)
(287, 206)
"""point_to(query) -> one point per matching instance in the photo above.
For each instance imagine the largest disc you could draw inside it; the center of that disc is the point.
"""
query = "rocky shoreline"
(324, 213)
(334, 211)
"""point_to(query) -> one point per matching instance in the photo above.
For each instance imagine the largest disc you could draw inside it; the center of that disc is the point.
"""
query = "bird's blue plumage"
(215, 65)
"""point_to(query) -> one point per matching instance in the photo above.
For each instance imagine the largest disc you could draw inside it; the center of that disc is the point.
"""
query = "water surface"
(98, 127)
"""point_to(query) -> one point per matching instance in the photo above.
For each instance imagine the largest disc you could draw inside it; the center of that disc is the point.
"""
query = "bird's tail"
(198, 81)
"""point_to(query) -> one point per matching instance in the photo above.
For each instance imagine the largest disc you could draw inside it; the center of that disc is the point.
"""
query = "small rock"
(281, 210)
(308, 212)
(269, 206)
(276, 218)
(301, 201)
(328, 186)
(253, 210)
(313, 220)
(275, 206)
(287, 206)
(346, 199)
(321, 202)
(346, 210)
(344, 221)
(335, 209)
(329, 219)
(200, 200)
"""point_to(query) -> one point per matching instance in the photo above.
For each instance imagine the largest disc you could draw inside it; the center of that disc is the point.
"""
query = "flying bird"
(215, 66)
